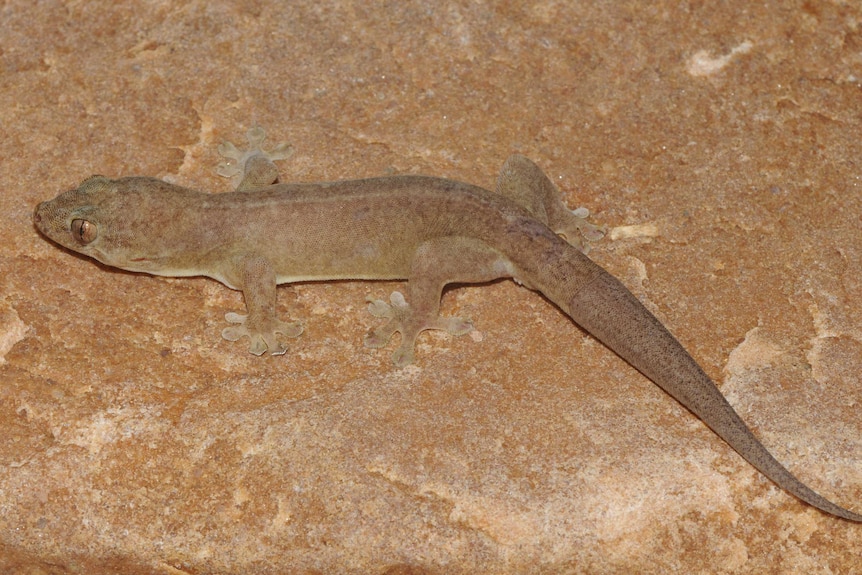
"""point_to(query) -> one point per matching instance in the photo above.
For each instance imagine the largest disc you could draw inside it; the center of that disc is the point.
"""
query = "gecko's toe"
(233, 333)
(263, 334)
(257, 346)
(403, 356)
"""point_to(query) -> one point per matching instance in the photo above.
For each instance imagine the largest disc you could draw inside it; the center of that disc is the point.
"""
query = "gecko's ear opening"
(83, 231)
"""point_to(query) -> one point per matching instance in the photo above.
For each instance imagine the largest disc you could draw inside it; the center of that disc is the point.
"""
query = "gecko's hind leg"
(403, 318)
(436, 263)
(521, 180)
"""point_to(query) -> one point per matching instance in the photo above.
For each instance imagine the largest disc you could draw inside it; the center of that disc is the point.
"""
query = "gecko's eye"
(83, 231)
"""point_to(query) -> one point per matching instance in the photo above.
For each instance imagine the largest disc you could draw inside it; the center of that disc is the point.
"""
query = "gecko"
(428, 231)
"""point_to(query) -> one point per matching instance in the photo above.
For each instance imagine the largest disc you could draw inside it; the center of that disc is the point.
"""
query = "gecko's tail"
(603, 306)
(609, 311)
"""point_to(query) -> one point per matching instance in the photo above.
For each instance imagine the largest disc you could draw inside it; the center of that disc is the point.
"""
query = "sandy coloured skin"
(430, 231)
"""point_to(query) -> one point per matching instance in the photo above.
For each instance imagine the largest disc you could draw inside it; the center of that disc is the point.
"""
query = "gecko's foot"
(261, 333)
(252, 168)
(401, 318)
(577, 230)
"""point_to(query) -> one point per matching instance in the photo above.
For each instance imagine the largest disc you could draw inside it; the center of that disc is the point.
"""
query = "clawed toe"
(402, 318)
(262, 334)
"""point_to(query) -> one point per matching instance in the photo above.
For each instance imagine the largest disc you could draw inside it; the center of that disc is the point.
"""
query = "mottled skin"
(430, 231)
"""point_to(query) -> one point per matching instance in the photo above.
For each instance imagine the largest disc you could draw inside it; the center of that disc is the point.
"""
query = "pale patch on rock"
(702, 64)
(755, 352)
(12, 330)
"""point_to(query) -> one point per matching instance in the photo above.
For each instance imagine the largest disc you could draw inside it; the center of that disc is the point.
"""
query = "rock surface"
(719, 143)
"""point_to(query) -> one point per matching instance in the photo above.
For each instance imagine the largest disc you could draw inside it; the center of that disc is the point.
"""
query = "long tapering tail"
(610, 312)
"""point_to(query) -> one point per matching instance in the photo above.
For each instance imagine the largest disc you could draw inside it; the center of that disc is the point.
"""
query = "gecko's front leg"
(255, 276)
(253, 168)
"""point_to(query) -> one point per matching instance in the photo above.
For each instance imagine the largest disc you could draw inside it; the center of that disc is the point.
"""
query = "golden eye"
(83, 231)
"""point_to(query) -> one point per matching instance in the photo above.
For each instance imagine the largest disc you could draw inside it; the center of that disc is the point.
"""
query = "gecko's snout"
(42, 217)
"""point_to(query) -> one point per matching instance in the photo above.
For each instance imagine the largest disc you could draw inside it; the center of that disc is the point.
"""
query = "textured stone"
(719, 142)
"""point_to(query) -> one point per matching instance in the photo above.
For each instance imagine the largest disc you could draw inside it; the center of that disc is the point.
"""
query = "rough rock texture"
(720, 142)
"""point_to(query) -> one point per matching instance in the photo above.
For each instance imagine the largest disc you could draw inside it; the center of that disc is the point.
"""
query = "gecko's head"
(109, 220)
